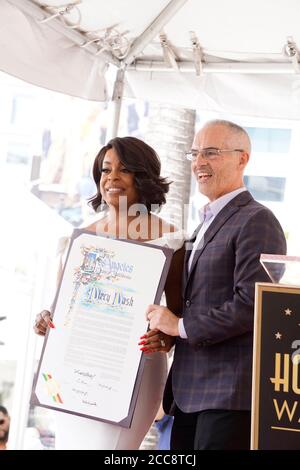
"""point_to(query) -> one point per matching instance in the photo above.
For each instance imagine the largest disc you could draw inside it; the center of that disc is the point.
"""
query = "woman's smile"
(116, 180)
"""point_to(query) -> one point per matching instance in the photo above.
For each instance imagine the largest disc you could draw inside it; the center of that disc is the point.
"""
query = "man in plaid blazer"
(209, 385)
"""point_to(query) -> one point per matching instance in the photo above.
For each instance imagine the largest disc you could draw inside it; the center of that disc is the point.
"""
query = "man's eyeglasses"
(209, 153)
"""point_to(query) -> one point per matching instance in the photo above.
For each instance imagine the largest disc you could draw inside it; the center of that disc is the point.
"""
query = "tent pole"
(116, 103)
(283, 67)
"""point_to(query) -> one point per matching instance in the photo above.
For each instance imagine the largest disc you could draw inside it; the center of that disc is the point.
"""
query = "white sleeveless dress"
(75, 432)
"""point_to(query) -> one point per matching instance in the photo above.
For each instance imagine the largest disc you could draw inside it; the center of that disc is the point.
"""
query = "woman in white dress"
(127, 175)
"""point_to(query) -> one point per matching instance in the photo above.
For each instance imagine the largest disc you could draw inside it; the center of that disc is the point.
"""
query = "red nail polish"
(144, 336)
(142, 342)
(143, 349)
(50, 324)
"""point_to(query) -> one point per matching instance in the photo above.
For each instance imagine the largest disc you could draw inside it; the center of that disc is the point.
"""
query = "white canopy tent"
(230, 56)
(234, 56)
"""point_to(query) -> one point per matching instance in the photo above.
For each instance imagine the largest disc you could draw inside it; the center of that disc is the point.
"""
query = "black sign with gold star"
(276, 368)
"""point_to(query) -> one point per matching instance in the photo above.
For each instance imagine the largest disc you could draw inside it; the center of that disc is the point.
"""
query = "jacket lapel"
(231, 208)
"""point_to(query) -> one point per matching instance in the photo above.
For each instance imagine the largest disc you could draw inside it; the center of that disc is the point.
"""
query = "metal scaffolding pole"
(116, 104)
(283, 67)
(153, 29)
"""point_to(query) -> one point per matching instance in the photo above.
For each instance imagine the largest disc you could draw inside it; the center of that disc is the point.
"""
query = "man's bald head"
(240, 138)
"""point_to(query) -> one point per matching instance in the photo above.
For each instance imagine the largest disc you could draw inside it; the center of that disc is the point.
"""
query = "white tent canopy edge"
(255, 73)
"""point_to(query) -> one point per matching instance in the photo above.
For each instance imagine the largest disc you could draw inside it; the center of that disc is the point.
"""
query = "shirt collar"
(216, 206)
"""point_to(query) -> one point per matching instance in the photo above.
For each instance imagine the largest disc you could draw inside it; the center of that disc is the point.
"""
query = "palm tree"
(171, 132)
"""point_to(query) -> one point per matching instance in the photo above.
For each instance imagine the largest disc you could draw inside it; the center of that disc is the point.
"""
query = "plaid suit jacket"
(212, 369)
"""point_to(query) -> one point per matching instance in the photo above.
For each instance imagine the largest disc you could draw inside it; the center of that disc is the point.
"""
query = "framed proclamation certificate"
(91, 364)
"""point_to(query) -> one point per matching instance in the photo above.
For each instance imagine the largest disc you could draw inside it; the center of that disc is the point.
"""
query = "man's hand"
(161, 318)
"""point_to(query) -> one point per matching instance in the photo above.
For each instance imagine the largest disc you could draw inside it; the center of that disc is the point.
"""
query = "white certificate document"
(91, 364)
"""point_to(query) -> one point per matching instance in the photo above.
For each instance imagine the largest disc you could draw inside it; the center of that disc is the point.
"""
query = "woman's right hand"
(42, 322)
(156, 341)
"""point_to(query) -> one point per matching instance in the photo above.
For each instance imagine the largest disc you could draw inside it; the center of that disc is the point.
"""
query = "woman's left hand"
(156, 341)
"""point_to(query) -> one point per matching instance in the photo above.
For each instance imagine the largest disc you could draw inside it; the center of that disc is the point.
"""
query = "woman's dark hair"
(142, 160)
(3, 410)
